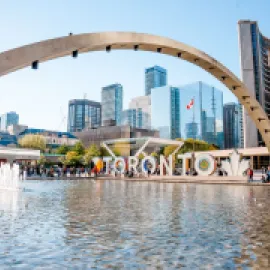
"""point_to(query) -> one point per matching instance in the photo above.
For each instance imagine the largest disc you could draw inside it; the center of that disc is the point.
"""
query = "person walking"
(268, 174)
(250, 175)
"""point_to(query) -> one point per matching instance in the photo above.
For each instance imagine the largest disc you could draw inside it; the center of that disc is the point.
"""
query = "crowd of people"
(57, 171)
(92, 169)
(265, 175)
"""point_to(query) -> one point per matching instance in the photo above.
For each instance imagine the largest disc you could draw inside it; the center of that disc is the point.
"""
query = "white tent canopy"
(18, 153)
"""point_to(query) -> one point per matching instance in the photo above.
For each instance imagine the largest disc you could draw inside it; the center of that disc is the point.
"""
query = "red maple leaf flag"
(190, 104)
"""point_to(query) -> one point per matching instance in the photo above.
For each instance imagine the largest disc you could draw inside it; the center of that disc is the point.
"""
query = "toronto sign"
(204, 164)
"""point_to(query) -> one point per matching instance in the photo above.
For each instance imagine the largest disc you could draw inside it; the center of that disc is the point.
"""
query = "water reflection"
(118, 224)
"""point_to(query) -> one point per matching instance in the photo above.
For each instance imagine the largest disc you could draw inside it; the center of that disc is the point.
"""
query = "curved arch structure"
(22, 57)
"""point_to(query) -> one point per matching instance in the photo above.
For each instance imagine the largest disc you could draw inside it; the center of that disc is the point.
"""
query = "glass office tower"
(205, 120)
(83, 113)
(233, 123)
(165, 111)
(135, 118)
(112, 103)
(255, 70)
(8, 119)
(155, 76)
(129, 117)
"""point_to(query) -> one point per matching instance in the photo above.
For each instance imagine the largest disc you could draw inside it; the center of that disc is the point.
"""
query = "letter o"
(119, 160)
(205, 164)
(152, 161)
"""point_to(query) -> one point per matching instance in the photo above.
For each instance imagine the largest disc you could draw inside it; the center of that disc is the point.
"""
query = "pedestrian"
(268, 175)
(148, 170)
(250, 175)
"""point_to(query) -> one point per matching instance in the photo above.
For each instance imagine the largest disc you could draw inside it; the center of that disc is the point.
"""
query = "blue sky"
(41, 97)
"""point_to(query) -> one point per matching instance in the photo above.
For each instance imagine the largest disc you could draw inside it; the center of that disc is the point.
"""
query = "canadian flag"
(190, 104)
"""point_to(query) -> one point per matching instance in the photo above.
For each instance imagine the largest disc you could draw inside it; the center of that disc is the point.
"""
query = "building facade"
(255, 71)
(204, 120)
(165, 111)
(83, 113)
(7, 139)
(141, 102)
(112, 103)
(192, 130)
(103, 133)
(52, 138)
(155, 76)
(135, 118)
(8, 119)
(129, 117)
(233, 122)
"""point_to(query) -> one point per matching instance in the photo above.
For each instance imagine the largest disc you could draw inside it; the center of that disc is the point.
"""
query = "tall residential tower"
(155, 76)
(83, 113)
(255, 69)
(233, 124)
(112, 103)
(8, 119)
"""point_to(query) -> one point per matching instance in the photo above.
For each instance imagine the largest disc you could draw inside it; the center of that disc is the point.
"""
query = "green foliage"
(168, 150)
(105, 153)
(62, 150)
(155, 154)
(41, 161)
(33, 142)
(79, 148)
(73, 159)
(117, 151)
(189, 146)
(91, 152)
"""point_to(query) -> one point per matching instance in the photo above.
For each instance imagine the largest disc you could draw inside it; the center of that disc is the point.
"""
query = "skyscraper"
(83, 113)
(205, 119)
(129, 117)
(112, 103)
(155, 76)
(165, 111)
(255, 69)
(142, 105)
(135, 118)
(8, 119)
(232, 121)
(191, 130)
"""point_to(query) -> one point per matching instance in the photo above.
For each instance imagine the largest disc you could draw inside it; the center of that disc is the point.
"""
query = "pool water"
(82, 224)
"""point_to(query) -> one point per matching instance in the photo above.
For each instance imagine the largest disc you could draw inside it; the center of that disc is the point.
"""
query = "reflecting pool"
(83, 224)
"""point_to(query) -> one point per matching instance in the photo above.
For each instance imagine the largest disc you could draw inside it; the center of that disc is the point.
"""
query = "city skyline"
(58, 81)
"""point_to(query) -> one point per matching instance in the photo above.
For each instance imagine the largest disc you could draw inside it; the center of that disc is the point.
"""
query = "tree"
(91, 152)
(72, 158)
(33, 142)
(62, 149)
(42, 160)
(105, 153)
(154, 154)
(168, 150)
(189, 146)
(78, 148)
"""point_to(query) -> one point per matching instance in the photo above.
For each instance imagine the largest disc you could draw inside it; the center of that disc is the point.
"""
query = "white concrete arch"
(22, 57)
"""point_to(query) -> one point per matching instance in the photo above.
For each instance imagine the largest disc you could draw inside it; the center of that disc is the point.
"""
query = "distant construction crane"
(63, 119)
